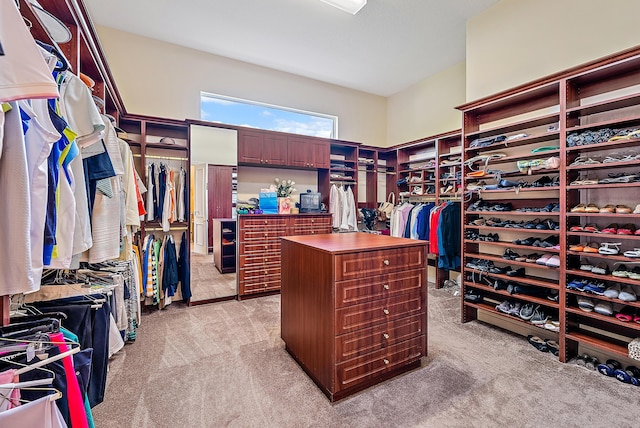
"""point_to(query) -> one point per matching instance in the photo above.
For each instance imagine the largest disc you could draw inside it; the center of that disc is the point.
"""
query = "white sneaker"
(637, 210)
(612, 292)
(627, 295)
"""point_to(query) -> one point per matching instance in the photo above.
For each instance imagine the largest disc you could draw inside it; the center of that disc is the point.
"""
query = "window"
(234, 111)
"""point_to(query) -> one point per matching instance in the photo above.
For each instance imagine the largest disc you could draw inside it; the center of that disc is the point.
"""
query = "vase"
(284, 205)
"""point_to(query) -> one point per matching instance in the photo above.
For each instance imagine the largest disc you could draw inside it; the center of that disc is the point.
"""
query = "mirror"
(213, 224)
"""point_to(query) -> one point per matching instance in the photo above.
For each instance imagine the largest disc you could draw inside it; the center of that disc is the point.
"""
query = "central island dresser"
(354, 308)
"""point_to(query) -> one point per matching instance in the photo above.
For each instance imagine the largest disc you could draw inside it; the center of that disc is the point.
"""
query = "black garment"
(162, 187)
(450, 232)
(183, 268)
(154, 194)
(170, 268)
(96, 168)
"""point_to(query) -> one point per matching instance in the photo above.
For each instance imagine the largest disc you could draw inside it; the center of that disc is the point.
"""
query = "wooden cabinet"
(259, 247)
(219, 195)
(262, 148)
(224, 245)
(353, 308)
(308, 152)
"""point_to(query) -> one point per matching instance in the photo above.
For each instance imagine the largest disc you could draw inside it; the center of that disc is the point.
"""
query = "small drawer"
(373, 263)
(381, 336)
(258, 274)
(311, 230)
(262, 248)
(259, 287)
(263, 221)
(259, 260)
(365, 315)
(249, 235)
(357, 291)
(372, 365)
(310, 221)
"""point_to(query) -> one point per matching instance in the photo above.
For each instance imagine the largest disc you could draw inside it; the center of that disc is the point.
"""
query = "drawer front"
(356, 317)
(308, 221)
(258, 222)
(378, 337)
(380, 287)
(372, 263)
(259, 287)
(372, 365)
(264, 235)
(259, 274)
(253, 248)
(259, 260)
(310, 230)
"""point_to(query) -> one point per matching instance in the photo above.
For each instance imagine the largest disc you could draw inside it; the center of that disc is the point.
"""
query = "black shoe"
(509, 254)
(473, 296)
(516, 272)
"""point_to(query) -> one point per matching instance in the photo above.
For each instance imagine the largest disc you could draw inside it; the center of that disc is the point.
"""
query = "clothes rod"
(136, 155)
(156, 229)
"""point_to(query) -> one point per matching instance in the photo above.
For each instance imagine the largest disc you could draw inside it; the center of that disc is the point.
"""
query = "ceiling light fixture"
(351, 6)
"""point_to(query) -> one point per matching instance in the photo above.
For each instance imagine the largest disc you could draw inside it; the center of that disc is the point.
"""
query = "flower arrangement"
(284, 188)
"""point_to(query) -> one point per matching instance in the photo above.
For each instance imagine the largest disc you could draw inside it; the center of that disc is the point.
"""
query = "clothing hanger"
(64, 63)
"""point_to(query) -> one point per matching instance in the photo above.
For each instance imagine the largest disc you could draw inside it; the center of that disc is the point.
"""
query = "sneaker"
(577, 284)
(515, 309)
(504, 307)
(627, 295)
(604, 308)
(595, 288)
(552, 325)
(586, 304)
(526, 311)
(612, 292)
(539, 317)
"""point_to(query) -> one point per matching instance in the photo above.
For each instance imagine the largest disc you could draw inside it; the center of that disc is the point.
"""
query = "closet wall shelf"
(610, 320)
(553, 135)
(606, 145)
(522, 189)
(498, 259)
(513, 229)
(604, 186)
(604, 106)
(604, 165)
(513, 127)
(613, 215)
(493, 310)
(605, 256)
(166, 146)
(624, 122)
(524, 297)
(529, 279)
(516, 213)
(513, 246)
(605, 344)
(609, 278)
(540, 155)
(605, 236)
(591, 296)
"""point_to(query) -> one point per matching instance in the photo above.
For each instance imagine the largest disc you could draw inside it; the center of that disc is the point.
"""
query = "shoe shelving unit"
(585, 101)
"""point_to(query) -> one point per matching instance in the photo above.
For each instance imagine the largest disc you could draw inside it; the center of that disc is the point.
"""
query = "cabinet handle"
(386, 286)
(386, 362)
(266, 234)
(312, 232)
(385, 335)
(386, 311)
(265, 222)
(266, 247)
(312, 220)
(266, 285)
(385, 262)
(265, 260)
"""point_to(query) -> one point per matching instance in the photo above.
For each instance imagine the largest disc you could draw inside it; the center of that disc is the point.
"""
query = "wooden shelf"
(513, 246)
(523, 297)
(494, 258)
(516, 126)
(606, 145)
(606, 345)
(603, 165)
(608, 278)
(492, 309)
(516, 213)
(635, 304)
(522, 189)
(613, 258)
(607, 215)
(596, 316)
(166, 146)
(513, 229)
(529, 279)
(605, 186)
(599, 235)
(604, 106)
(621, 122)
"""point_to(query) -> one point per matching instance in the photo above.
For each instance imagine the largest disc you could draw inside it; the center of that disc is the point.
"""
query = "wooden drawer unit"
(259, 246)
(373, 365)
(380, 287)
(353, 308)
(378, 337)
(378, 311)
(372, 263)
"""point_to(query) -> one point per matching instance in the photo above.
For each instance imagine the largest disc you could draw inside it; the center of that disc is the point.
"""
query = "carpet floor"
(224, 365)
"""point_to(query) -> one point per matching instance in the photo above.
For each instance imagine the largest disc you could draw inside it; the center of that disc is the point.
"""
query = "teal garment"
(87, 408)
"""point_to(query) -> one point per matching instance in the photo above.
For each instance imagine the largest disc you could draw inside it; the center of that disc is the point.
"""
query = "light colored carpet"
(224, 365)
(207, 282)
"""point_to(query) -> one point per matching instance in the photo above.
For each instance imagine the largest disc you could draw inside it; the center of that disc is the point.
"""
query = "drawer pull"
(265, 222)
(385, 262)
(386, 362)
(386, 286)
(266, 247)
(385, 335)
(386, 311)
(312, 220)
(266, 234)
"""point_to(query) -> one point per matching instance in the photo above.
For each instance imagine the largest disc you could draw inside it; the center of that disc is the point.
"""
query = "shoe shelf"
(528, 280)
(604, 343)
(613, 258)
(604, 106)
(605, 165)
(604, 186)
(635, 304)
(607, 215)
(522, 297)
(521, 189)
(608, 319)
(513, 229)
(633, 142)
(514, 246)
(510, 262)
(489, 308)
(515, 158)
(516, 213)
(513, 128)
(623, 122)
(607, 236)
(607, 277)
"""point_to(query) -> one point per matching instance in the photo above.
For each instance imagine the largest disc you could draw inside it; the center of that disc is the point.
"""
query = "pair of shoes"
(543, 345)
(473, 296)
(539, 317)
(549, 260)
(585, 361)
(616, 292)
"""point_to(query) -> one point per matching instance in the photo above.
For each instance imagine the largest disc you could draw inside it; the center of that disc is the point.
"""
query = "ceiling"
(388, 46)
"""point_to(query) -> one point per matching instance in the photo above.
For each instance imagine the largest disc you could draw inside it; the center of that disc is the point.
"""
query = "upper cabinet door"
(250, 147)
(300, 152)
(274, 150)
(321, 151)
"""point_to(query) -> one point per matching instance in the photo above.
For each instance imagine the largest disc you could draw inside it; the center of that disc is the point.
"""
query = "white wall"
(517, 41)
(427, 108)
(161, 79)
